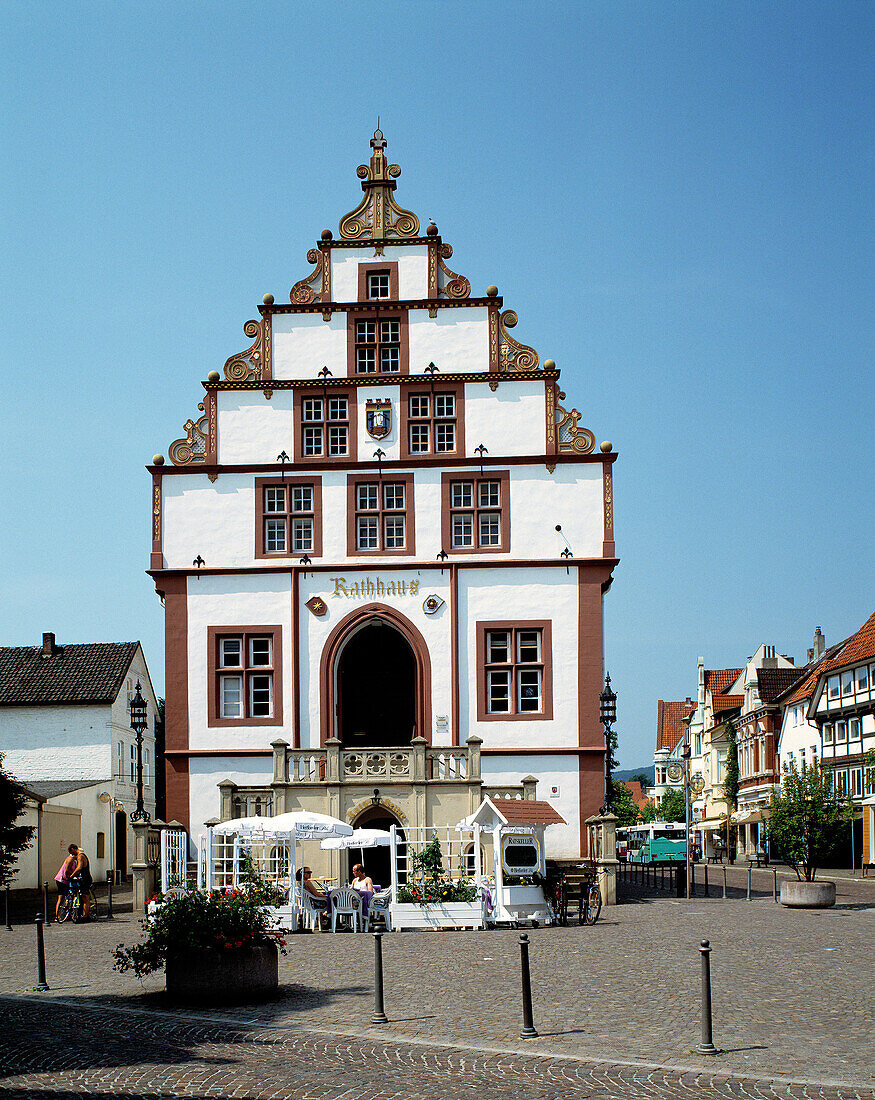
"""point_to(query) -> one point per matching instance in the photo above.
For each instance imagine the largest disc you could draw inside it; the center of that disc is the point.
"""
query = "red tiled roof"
(717, 680)
(722, 703)
(859, 647)
(638, 796)
(670, 722)
(527, 811)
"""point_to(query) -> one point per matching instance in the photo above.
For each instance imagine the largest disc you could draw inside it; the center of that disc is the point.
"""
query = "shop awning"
(750, 817)
(711, 823)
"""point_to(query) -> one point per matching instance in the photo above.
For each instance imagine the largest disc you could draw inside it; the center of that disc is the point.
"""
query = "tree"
(611, 762)
(806, 814)
(674, 806)
(730, 775)
(649, 811)
(13, 838)
(623, 805)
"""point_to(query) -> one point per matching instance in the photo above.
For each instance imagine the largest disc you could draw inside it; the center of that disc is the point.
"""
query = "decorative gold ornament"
(572, 438)
(551, 466)
(193, 448)
(378, 215)
(254, 362)
(609, 498)
(303, 292)
(156, 511)
(512, 354)
(455, 286)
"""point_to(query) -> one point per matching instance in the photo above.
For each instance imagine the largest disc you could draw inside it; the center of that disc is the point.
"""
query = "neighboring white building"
(798, 741)
(383, 548)
(66, 735)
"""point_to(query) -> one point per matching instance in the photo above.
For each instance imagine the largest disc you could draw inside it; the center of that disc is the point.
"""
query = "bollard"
(724, 881)
(706, 880)
(379, 1016)
(680, 880)
(528, 1031)
(775, 883)
(40, 955)
(692, 880)
(8, 925)
(46, 918)
(109, 915)
(748, 883)
(706, 1046)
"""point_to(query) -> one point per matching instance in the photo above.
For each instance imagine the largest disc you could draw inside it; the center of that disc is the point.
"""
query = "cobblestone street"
(616, 1005)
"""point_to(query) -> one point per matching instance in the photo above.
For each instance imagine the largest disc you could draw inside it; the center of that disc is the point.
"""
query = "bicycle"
(559, 901)
(73, 904)
(590, 904)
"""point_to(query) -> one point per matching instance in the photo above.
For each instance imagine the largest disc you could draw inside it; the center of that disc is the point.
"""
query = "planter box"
(808, 895)
(452, 914)
(214, 975)
(520, 903)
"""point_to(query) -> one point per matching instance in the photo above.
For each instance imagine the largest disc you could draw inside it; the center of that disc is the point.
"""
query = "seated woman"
(361, 881)
(303, 875)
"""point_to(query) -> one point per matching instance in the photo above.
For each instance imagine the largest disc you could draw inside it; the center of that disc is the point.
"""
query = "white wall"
(561, 841)
(251, 427)
(71, 742)
(206, 773)
(456, 341)
(303, 344)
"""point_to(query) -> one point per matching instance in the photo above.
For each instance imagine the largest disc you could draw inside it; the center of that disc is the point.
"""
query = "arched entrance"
(376, 687)
(375, 680)
(376, 861)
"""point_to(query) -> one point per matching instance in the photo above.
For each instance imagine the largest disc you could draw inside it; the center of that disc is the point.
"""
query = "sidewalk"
(792, 990)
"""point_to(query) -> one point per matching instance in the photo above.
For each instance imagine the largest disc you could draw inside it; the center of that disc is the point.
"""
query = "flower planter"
(451, 914)
(217, 975)
(808, 895)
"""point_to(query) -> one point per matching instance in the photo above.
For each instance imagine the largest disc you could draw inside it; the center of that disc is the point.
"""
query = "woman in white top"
(361, 881)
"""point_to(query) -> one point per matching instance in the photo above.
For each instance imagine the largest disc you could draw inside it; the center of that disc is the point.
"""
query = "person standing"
(82, 874)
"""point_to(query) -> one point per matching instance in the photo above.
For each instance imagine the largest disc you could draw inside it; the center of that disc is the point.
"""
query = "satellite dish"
(104, 797)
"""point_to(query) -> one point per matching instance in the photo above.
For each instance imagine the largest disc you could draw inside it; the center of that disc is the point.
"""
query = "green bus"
(657, 842)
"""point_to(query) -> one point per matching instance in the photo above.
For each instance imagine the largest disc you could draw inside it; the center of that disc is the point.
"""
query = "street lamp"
(608, 716)
(139, 722)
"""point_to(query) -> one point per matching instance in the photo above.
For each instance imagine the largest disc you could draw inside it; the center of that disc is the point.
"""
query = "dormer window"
(378, 282)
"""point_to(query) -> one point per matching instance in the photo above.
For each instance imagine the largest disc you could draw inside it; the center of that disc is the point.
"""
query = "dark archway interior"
(376, 861)
(377, 688)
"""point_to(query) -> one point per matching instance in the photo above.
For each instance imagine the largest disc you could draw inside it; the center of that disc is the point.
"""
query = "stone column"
(602, 830)
(419, 746)
(332, 768)
(530, 788)
(226, 799)
(143, 871)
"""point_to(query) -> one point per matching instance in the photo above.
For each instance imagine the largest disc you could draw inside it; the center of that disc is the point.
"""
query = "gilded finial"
(378, 215)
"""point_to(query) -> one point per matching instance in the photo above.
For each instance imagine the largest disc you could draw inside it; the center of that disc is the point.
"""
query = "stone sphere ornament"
(213, 376)
(432, 230)
(268, 299)
(491, 291)
(157, 460)
(326, 234)
(606, 447)
(549, 364)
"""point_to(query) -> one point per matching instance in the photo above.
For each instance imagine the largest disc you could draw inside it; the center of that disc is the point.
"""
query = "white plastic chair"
(311, 908)
(346, 902)
(379, 908)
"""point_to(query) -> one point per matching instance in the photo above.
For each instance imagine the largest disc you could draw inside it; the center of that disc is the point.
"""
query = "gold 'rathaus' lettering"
(369, 586)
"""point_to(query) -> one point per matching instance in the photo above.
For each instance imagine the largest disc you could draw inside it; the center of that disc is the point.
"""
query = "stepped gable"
(87, 673)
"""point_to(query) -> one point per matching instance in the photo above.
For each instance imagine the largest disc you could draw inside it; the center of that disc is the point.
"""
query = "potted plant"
(215, 946)
(432, 899)
(806, 814)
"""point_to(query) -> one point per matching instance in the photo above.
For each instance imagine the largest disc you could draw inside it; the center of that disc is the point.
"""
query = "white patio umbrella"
(359, 838)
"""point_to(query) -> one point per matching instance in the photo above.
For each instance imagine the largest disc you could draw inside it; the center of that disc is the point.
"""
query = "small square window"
(463, 494)
(488, 494)
(419, 405)
(444, 405)
(366, 498)
(378, 284)
(490, 529)
(312, 441)
(274, 499)
(497, 647)
(419, 438)
(338, 439)
(444, 438)
(260, 651)
(367, 532)
(394, 533)
(338, 408)
(275, 536)
(311, 408)
(463, 529)
(529, 645)
(302, 534)
(393, 496)
(302, 498)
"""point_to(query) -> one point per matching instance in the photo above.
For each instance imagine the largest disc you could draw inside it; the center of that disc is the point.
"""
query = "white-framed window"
(147, 769)
(378, 284)
(857, 783)
(245, 676)
(381, 515)
(841, 728)
(842, 782)
(861, 677)
(514, 671)
(853, 729)
(833, 687)
(827, 733)
(848, 682)
(480, 521)
(133, 771)
(378, 346)
(120, 762)
(431, 423)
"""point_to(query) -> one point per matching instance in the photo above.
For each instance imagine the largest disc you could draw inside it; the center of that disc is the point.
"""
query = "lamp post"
(139, 722)
(608, 716)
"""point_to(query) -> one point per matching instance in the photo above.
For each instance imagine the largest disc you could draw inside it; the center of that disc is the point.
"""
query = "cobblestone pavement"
(617, 1006)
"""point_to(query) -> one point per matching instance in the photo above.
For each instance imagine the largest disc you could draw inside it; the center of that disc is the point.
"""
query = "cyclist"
(82, 875)
(65, 873)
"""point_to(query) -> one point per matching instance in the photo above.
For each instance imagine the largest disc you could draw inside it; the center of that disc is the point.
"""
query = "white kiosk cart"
(517, 828)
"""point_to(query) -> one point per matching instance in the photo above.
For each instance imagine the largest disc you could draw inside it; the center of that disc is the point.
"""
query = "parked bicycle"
(590, 903)
(73, 905)
(589, 897)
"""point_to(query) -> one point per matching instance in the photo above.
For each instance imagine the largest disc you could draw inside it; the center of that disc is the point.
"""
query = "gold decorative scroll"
(511, 354)
(572, 438)
(302, 293)
(609, 501)
(550, 396)
(156, 510)
(193, 448)
(378, 215)
(255, 361)
(455, 286)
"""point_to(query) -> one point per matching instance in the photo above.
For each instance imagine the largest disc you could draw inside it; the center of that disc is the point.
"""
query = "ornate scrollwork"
(572, 438)
(378, 215)
(193, 448)
(455, 286)
(252, 363)
(302, 293)
(513, 355)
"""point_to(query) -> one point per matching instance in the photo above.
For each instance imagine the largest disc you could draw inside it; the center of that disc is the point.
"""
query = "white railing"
(174, 856)
(460, 852)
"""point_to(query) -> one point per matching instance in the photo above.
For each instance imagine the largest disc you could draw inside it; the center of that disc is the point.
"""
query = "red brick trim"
(430, 388)
(502, 476)
(409, 512)
(213, 671)
(328, 701)
(390, 268)
(174, 590)
(513, 625)
(261, 483)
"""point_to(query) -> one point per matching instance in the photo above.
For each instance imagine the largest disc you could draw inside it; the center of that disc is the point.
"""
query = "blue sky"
(676, 199)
